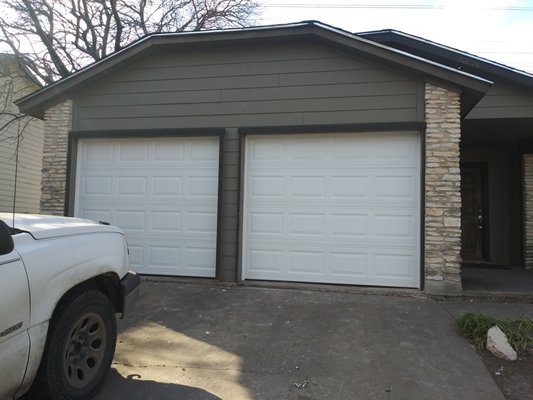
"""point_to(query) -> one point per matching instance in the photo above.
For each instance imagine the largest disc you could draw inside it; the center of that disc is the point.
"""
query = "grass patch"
(474, 326)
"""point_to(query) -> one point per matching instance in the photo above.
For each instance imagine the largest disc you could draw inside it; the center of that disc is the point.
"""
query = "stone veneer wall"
(443, 192)
(527, 168)
(57, 124)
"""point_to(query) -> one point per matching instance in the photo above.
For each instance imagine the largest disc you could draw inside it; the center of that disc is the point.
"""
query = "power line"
(389, 6)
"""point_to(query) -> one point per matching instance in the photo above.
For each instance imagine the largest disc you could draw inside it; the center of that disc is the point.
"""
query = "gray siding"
(503, 102)
(268, 85)
(230, 206)
(292, 84)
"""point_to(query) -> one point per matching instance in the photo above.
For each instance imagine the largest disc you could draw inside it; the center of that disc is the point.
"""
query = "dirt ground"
(514, 378)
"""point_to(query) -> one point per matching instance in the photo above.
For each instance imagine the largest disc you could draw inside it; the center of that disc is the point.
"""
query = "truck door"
(14, 319)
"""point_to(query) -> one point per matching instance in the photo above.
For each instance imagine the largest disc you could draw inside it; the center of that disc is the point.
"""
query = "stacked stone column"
(57, 124)
(442, 191)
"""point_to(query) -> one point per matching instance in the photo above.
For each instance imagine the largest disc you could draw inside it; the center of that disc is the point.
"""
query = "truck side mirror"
(6, 240)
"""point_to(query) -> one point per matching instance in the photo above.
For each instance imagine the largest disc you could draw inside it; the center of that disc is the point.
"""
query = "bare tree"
(14, 84)
(54, 38)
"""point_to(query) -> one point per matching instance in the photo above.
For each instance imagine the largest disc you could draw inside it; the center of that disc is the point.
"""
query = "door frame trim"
(485, 204)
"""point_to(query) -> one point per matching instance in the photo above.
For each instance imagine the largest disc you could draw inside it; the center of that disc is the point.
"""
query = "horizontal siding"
(251, 107)
(250, 94)
(250, 120)
(286, 84)
(503, 102)
(28, 183)
(29, 168)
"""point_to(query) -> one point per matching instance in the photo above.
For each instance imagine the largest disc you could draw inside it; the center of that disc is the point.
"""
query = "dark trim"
(238, 272)
(242, 188)
(451, 57)
(423, 137)
(148, 133)
(483, 166)
(70, 185)
(526, 148)
(339, 128)
(220, 205)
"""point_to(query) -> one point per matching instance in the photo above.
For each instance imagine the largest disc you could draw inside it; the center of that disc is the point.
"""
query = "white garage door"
(162, 192)
(333, 208)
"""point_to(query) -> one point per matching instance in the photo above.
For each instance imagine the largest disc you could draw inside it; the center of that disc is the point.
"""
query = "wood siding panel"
(252, 107)
(391, 88)
(28, 183)
(503, 102)
(286, 84)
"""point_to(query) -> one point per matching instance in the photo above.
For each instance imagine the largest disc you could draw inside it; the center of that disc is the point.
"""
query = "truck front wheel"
(80, 348)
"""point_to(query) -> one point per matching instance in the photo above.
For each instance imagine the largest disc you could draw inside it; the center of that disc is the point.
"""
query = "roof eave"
(36, 103)
(489, 68)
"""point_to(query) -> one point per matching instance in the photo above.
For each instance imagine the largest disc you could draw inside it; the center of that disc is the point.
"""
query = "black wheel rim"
(85, 350)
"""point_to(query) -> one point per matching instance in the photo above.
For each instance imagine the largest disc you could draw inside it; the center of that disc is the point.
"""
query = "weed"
(474, 326)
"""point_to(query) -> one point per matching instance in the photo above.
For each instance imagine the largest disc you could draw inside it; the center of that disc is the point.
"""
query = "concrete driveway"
(197, 341)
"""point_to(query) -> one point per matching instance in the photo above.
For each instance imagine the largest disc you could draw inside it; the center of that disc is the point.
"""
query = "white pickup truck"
(62, 280)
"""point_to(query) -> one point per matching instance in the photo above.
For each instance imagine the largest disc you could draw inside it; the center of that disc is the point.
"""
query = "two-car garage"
(297, 152)
(325, 208)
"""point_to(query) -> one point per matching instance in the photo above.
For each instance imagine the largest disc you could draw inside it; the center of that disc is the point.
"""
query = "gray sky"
(500, 30)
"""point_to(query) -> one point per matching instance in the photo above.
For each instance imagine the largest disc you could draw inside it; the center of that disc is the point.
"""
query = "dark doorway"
(474, 221)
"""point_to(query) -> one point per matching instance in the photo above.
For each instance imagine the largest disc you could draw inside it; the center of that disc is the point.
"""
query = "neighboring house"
(297, 152)
(16, 82)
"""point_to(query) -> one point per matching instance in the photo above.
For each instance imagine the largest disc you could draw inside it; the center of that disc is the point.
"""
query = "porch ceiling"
(490, 132)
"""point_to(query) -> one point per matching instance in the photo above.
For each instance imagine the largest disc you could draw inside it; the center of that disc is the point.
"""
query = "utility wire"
(389, 6)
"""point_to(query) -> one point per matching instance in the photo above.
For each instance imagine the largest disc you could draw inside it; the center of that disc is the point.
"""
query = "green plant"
(474, 326)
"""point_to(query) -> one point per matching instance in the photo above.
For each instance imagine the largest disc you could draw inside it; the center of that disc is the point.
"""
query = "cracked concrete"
(188, 341)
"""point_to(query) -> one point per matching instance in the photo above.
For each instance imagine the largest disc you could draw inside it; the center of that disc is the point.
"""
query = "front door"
(473, 215)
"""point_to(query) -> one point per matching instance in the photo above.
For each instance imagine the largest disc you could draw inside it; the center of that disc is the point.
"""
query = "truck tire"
(79, 348)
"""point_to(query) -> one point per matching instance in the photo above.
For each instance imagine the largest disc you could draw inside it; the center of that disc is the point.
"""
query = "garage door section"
(162, 192)
(333, 208)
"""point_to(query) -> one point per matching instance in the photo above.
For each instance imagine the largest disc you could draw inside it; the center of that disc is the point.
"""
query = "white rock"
(498, 344)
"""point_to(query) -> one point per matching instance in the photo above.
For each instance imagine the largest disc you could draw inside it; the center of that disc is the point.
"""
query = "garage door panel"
(167, 186)
(131, 220)
(392, 226)
(166, 221)
(133, 151)
(203, 186)
(341, 209)
(349, 225)
(394, 265)
(264, 261)
(307, 224)
(305, 262)
(169, 152)
(162, 192)
(349, 264)
(343, 264)
(132, 186)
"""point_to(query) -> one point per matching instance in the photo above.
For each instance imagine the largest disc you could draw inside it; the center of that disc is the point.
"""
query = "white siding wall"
(30, 149)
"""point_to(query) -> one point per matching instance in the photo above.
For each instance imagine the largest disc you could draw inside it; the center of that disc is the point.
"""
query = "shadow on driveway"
(133, 388)
(248, 343)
